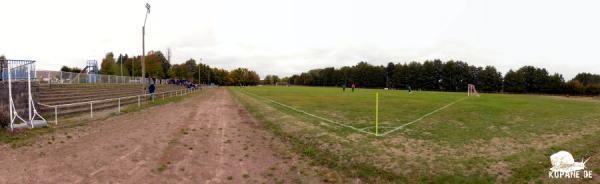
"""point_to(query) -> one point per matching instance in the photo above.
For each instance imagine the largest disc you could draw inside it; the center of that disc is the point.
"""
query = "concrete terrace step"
(85, 108)
(45, 92)
(83, 94)
(74, 99)
(84, 88)
(97, 106)
(56, 100)
(86, 85)
(66, 94)
(58, 94)
(92, 86)
(51, 93)
(86, 94)
(70, 90)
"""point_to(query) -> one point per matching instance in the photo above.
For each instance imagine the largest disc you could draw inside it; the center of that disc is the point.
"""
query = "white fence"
(59, 77)
(139, 98)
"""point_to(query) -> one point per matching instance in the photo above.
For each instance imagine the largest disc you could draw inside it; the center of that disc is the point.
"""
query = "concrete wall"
(20, 97)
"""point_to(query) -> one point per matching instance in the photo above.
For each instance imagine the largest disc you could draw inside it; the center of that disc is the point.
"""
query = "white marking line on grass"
(319, 117)
(422, 117)
(380, 127)
(373, 128)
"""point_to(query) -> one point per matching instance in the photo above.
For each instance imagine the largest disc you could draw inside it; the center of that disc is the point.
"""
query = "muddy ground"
(207, 138)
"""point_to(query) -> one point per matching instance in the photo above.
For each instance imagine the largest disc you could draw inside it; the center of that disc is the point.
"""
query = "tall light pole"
(133, 67)
(144, 47)
(121, 62)
(208, 75)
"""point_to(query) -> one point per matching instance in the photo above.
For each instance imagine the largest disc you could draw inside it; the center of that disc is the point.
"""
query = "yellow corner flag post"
(376, 114)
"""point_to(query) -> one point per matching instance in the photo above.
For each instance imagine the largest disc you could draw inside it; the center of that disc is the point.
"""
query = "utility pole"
(133, 67)
(208, 74)
(168, 61)
(245, 76)
(144, 47)
(169, 55)
(121, 62)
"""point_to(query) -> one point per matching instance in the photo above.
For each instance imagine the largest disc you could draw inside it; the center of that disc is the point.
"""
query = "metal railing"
(141, 97)
(59, 77)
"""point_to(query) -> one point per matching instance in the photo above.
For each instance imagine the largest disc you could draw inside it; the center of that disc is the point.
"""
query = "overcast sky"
(285, 37)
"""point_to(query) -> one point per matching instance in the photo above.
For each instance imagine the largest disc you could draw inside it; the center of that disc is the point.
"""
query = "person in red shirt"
(353, 86)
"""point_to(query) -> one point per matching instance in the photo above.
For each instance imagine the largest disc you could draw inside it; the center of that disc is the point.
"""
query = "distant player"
(344, 87)
(152, 88)
(353, 86)
(409, 89)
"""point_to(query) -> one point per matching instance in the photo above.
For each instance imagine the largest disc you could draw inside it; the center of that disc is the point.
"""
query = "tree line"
(436, 75)
(159, 66)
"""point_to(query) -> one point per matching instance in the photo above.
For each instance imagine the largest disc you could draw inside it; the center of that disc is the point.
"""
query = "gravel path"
(207, 138)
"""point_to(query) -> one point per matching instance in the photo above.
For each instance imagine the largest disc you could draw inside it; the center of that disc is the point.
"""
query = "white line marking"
(116, 160)
(380, 127)
(422, 117)
(131, 152)
(96, 171)
(318, 117)
(136, 168)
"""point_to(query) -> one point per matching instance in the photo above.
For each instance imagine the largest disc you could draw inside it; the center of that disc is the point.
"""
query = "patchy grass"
(162, 168)
(157, 102)
(20, 138)
(497, 138)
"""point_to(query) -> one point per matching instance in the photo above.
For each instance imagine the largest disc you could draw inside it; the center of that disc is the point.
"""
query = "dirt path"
(208, 138)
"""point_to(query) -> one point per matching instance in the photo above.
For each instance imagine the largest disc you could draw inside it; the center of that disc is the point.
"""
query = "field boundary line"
(423, 117)
(373, 127)
(309, 114)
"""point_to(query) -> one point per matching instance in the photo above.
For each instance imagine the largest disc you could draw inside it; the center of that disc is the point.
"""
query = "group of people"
(344, 87)
(187, 83)
(152, 87)
(353, 86)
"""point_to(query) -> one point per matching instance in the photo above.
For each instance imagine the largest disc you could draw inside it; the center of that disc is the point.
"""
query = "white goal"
(22, 70)
(472, 91)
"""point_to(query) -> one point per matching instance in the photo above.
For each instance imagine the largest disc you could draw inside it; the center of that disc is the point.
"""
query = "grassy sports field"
(429, 136)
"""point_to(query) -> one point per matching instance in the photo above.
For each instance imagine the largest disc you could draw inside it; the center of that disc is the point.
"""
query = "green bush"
(593, 89)
(4, 119)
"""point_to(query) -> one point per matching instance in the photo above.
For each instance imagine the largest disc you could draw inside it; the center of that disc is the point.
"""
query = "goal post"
(472, 91)
(22, 70)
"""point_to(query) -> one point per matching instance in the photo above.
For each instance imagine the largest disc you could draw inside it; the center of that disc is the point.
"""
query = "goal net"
(472, 91)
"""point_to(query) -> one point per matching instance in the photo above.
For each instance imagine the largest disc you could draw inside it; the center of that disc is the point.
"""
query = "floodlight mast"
(199, 71)
(144, 48)
(208, 74)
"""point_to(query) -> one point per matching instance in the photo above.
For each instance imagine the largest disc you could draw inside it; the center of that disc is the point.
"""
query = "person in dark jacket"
(151, 89)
